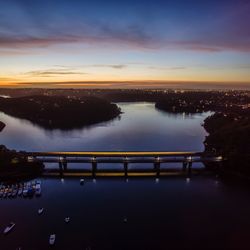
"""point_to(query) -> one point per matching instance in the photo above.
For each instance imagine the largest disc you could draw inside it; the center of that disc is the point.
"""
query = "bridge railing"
(116, 154)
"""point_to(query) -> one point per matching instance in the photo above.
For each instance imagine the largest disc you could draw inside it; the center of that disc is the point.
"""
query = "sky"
(132, 43)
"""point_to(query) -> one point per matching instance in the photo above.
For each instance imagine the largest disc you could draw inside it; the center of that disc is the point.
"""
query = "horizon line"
(131, 84)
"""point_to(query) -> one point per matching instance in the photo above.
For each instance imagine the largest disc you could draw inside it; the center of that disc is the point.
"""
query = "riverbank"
(60, 112)
(228, 132)
(229, 135)
(2, 125)
(15, 167)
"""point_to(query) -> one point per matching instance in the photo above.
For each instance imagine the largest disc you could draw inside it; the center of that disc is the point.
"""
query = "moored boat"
(9, 228)
(67, 219)
(9, 192)
(52, 239)
(20, 191)
(30, 191)
(40, 210)
(25, 191)
(38, 189)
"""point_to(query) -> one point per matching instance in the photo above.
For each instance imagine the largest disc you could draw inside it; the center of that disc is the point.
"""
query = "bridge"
(126, 158)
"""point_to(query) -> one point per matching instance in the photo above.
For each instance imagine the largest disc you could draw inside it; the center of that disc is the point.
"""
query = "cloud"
(61, 70)
(7, 79)
(27, 41)
(211, 46)
(223, 26)
(114, 66)
(52, 73)
(11, 45)
(13, 52)
(132, 36)
(167, 68)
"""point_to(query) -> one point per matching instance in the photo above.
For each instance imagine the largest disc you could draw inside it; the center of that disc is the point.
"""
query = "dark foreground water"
(203, 213)
(172, 213)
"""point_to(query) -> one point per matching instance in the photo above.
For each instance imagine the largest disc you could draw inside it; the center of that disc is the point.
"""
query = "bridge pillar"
(65, 167)
(125, 168)
(189, 168)
(184, 166)
(218, 169)
(60, 165)
(94, 167)
(157, 166)
(60, 169)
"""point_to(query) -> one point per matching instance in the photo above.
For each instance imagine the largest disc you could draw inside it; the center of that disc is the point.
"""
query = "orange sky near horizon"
(132, 85)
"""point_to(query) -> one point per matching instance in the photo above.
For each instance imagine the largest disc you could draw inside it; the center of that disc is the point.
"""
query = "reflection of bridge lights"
(62, 180)
(125, 159)
(94, 180)
(157, 180)
(188, 180)
(61, 159)
(127, 180)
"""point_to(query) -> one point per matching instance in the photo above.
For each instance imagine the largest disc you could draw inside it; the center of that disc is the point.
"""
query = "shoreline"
(2, 126)
(59, 112)
(14, 166)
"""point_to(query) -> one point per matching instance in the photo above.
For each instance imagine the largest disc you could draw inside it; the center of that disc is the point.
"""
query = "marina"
(18, 190)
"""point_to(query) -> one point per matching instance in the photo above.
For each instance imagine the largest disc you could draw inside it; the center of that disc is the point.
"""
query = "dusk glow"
(124, 124)
(127, 44)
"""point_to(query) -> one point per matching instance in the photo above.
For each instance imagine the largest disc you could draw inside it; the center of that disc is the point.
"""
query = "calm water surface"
(204, 213)
(140, 127)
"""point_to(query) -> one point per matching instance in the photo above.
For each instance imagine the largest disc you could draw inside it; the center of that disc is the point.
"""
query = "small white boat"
(25, 191)
(52, 239)
(14, 192)
(20, 191)
(5, 193)
(9, 192)
(40, 210)
(9, 228)
(38, 190)
(67, 219)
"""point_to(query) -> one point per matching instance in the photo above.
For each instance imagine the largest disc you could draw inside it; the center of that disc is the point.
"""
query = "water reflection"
(140, 127)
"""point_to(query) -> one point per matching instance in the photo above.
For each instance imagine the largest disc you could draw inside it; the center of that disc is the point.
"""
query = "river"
(202, 213)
